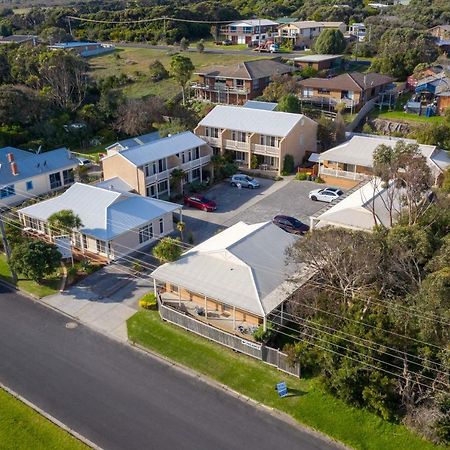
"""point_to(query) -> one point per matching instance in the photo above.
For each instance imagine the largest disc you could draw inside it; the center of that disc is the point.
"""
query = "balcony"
(196, 162)
(157, 177)
(343, 174)
(259, 149)
(212, 140)
(237, 145)
(220, 88)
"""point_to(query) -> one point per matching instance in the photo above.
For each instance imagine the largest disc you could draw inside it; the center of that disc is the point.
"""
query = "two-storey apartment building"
(147, 168)
(304, 33)
(25, 174)
(249, 32)
(269, 135)
(237, 83)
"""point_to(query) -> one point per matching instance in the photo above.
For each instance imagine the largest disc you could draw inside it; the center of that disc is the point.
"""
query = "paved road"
(121, 399)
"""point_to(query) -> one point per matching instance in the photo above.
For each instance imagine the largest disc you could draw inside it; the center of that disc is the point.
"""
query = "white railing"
(343, 174)
(220, 88)
(261, 149)
(236, 145)
(196, 162)
(211, 140)
(157, 176)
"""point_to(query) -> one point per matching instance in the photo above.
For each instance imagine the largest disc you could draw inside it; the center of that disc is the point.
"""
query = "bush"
(301, 176)
(148, 301)
(254, 162)
(197, 186)
(263, 336)
(157, 71)
(288, 165)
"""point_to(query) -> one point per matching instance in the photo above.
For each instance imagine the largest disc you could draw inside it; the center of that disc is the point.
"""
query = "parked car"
(244, 181)
(84, 162)
(290, 224)
(200, 202)
(325, 195)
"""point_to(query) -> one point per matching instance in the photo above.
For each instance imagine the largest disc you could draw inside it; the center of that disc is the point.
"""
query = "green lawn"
(135, 63)
(309, 405)
(405, 117)
(22, 428)
(48, 287)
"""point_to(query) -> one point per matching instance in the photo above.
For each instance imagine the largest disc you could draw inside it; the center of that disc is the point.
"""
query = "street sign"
(282, 389)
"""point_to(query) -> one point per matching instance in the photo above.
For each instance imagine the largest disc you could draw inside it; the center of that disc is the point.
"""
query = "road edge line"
(50, 418)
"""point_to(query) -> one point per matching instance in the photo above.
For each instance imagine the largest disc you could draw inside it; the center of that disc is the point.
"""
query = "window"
(197, 153)
(101, 246)
(239, 83)
(308, 92)
(7, 191)
(145, 233)
(189, 153)
(323, 91)
(162, 166)
(84, 239)
(55, 180)
(29, 185)
(349, 167)
(161, 226)
(150, 169)
(150, 190)
(163, 186)
(195, 174)
(173, 288)
(255, 84)
(68, 177)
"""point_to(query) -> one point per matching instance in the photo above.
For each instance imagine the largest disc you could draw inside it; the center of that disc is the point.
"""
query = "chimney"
(14, 169)
(10, 157)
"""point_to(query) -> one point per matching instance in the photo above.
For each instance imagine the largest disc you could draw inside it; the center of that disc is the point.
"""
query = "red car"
(200, 202)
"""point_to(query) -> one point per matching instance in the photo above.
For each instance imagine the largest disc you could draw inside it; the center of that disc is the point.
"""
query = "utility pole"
(7, 248)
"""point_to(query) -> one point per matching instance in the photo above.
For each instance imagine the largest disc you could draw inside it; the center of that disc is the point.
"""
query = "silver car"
(244, 181)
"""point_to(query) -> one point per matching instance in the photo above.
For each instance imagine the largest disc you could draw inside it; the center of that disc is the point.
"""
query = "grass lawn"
(23, 428)
(309, 405)
(405, 117)
(48, 287)
(137, 60)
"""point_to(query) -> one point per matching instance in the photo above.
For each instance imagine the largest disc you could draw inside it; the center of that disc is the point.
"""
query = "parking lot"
(289, 197)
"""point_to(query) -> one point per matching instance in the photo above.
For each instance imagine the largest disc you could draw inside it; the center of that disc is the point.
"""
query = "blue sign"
(282, 389)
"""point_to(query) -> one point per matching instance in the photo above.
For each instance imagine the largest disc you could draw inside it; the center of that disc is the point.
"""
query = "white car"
(325, 195)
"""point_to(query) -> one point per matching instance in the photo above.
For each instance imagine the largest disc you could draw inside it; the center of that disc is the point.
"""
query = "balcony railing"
(196, 162)
(220, 88)
(260, 149)
(157, 177)
(212, 140)
(236, 145)
(343, 174)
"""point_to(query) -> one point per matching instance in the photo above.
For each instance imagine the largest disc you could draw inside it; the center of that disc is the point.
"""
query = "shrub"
(288, 166)
(254, 162)
(301, 176)
(148, 301)
(137, 266)
(157, 71)
(197, 186)
(263, 336)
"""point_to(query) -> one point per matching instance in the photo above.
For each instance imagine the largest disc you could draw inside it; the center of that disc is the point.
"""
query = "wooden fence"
(266, 354)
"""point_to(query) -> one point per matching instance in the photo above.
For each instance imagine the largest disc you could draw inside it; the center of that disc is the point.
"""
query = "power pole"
(7, 248)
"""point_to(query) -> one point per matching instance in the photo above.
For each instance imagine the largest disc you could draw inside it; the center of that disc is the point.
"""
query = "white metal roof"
(105, 214)
(357, 211)
(162, 148)
(315, 58)
(255, 104)
(359, 150)
(243, 266)
(114, 184)
(253, 23)
(250, 120)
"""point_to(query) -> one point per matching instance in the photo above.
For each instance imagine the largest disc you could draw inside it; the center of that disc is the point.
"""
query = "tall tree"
(181, 68)
(330, 42)
(168, 250)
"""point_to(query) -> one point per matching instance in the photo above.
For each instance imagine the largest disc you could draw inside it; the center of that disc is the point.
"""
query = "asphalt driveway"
(289, 197)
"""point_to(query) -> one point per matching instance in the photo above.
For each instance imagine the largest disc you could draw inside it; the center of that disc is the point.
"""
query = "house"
(25, 174)
(249, 32)
(317, 62)
(303, 34)
(432, 95)
(352, 162)
(19, 39)
(235, 84)
(114, 223)
(133, 142)
(353, 89)
(363, 209)
(440, 32)
(237, 276)
(267, 135)
(146, 168)
(84, 49)
(358, 30)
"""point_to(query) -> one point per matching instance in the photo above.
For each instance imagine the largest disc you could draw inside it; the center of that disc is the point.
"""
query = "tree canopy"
(330, 42)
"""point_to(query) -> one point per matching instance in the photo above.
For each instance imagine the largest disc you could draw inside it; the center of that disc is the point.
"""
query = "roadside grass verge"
(23, 428)
(308, 404)
(48, 287)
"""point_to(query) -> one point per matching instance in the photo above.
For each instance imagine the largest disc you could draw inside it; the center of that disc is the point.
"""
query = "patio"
(223, 320)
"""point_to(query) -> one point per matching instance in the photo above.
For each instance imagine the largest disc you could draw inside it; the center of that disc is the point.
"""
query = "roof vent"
(10, 157)
(14, 169)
